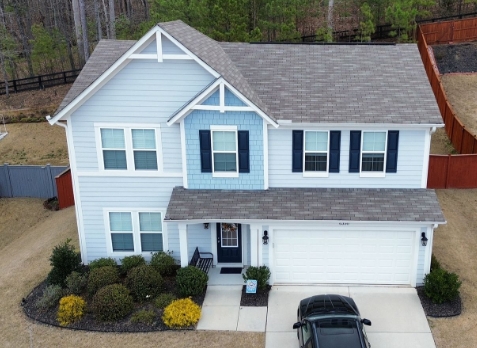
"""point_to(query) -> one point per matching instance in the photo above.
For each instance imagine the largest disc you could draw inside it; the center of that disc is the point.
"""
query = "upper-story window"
(224, 151)
(374, 150)
(316, 151)
(128, 148)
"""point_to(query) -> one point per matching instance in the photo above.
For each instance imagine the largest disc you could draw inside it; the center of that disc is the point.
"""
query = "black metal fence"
(39, 82)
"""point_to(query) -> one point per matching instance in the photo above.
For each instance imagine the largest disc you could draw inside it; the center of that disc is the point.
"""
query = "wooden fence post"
(449, 157)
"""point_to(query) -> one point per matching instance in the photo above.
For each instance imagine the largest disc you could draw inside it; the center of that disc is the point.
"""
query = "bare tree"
(112, 18)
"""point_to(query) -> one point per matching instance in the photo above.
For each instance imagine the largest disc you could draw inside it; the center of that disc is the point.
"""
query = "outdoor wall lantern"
(265, 237)
(424, 239)
(206, 225)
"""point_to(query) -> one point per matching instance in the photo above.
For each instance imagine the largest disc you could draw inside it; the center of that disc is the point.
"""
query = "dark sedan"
(330, 321)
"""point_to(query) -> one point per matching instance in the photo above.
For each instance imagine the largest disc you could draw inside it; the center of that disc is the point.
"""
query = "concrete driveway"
(396, 314)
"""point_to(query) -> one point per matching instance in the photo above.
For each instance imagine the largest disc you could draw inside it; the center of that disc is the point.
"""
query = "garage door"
(363, 257)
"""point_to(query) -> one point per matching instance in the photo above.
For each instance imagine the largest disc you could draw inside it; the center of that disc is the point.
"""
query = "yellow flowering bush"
(71, 309)
(181, 313)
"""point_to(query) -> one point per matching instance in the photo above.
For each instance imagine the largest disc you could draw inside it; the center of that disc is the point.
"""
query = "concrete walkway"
(396, 313)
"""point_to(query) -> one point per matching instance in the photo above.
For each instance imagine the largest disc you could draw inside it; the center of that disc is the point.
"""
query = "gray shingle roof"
(414, 205)
(106, 53)
(339, 83)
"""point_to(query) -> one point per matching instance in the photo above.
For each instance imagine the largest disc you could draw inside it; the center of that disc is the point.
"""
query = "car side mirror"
(297, 325)
(366, 322)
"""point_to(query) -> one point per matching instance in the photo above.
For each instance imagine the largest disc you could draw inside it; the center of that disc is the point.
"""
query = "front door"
(229, 243)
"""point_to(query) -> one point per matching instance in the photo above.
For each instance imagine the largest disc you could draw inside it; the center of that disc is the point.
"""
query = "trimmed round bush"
(441, 286)
(144, 316)
(260, 274)
(72, 308)
(164, 300)
(144, 282)
(435, 264)
(64, 260)
(113, 302)
(102, 262)
(76, 283)
(129, 262)
(100, 277)
(191, 281)
(164, 263)
(181, 313)
(50, 297)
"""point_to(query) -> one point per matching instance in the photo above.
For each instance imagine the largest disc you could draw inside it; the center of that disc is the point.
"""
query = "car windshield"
(337, 332)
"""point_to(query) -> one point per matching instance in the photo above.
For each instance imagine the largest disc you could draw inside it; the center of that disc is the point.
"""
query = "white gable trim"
(219, 85)
(123, 61)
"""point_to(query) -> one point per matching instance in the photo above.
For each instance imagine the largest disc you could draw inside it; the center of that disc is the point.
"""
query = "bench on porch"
(202, 261)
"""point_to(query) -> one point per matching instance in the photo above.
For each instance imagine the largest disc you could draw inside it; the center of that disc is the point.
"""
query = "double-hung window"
(373, 152)
(129, 148)
(224, 151)
(135, 231)
(316, 152)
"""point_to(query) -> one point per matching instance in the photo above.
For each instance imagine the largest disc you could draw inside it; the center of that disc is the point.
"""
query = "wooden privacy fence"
(40, 82)
(452, 171)
(445, 32)
(64, 186)
(29, 181)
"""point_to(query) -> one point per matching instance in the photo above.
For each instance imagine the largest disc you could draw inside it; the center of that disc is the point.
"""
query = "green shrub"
(164, 263)
(104, 261)
(434, 263)
(112, 302)
(144, 282)
(164, 300)
(181, 313)
(144, 317)
(64, 260)
(129, 262)
(76, 283)
(50, 297)
(71, 309)
(100, 277)
(191, 281)
(441, 286)
(260, 274)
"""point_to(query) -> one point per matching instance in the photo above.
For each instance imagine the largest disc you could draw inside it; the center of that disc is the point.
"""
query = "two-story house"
(310, 159)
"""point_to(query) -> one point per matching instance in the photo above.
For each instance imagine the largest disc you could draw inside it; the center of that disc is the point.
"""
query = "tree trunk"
(99, 32)
(112, 18)
(84, 28)
(79, 37)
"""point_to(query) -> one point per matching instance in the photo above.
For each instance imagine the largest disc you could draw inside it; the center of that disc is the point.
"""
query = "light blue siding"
(144, 91)
(250, 121)
(265, 250)
(421, 261)
(150, 49)
(173, 240)
(197, 236)
(246, 232)
(169, 48)
(213, 99)
(409, 172)
(126, 193)
(230, 99)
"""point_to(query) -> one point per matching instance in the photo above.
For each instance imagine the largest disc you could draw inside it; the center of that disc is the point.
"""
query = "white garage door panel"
(367, 257)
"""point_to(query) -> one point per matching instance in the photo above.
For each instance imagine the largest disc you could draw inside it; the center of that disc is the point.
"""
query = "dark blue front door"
(229, 243)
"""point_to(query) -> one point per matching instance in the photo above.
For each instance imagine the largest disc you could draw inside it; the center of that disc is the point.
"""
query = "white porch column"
(183, 244)
(254, 244)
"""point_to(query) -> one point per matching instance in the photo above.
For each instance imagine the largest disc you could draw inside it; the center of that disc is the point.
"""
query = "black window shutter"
(243, 152)
(335, 147)
(354, 151)
(392, 155)
(297, 161)
(205, 151)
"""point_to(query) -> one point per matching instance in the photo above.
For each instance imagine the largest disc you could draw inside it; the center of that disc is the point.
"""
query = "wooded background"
(45, 36)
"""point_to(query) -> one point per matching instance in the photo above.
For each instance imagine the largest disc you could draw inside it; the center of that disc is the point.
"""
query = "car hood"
(327, 304)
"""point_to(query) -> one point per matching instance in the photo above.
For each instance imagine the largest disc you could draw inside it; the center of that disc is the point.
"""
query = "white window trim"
(373, 174)
(222, 239)
(312, 174)
(135, 231)
(224, 129)
(128, 148)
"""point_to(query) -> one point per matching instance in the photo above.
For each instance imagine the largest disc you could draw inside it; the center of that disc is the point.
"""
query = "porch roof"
(352, 204)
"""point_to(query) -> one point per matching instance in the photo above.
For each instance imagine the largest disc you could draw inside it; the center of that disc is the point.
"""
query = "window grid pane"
(145, 160)
(114, 159)
(229, 236)
(120, 221)
(112, 138)
(143, 139)
(225, 162)
(374, 141)
(224, 141)
(122, 241)
(316, 141)
(150, 222)
(151, 242)
(316, 162)
(372, 162)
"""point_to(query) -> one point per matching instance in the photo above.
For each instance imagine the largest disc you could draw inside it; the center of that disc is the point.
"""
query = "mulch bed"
(260, 299)
(456, 58)
(447, 309)
(89, 323)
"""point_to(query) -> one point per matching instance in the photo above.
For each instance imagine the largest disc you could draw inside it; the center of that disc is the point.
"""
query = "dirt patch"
(28, 235)
(454, 246)
(440, 143)
(453, 58)
(461, 91)
(34, 143)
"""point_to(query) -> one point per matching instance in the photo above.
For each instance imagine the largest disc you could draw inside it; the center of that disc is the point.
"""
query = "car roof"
(327, 304)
